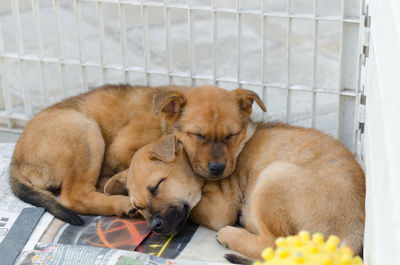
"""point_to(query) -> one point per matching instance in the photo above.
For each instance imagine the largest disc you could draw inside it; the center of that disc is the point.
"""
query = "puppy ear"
(166, 149)
(116, 185)
(169, 103)
(246, 98)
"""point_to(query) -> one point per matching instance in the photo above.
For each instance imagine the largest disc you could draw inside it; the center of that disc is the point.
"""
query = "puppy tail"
(43, 198)
(236, 259)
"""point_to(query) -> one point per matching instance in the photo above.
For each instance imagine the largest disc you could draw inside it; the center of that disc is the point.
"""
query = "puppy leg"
(244, 242)
(265, 214)
(215, 209)
(81, 196)
(97, 203)
(79, 189)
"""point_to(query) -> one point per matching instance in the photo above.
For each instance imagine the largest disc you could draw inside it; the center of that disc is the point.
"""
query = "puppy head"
(162, 186)
(212, 123)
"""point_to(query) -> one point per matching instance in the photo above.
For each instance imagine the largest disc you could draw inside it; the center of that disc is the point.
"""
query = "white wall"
(382, 144)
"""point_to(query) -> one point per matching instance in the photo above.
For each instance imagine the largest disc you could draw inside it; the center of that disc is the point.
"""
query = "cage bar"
(314, 65)
(60, 49)
(190, 30)
(167, 24)
(145, 40)
(77, 12)
(238, 36)
(122, 28)
(214, 39)
(262, 77)
(216, 11)
(20, 46)
(100, 27)
(341, 81)
(357, 141)
(6, 92)
(39, 44)
(288, 62)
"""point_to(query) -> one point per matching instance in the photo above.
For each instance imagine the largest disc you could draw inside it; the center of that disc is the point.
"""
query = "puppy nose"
(156, 224)
(216, 168)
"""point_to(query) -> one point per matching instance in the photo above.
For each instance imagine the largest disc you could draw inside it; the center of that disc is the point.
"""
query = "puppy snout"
(156, 224)
(170, 221)
(216, 168)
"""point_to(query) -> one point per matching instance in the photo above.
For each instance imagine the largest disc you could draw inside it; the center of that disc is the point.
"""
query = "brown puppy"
(63, 147)
(162, 185)
(287, 179)
(66, 146)
(213, 125)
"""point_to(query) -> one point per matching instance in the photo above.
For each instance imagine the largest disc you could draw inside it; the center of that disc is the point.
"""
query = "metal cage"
(302, 57)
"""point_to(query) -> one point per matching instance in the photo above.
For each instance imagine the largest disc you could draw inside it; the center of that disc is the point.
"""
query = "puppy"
(287, 179)
(213, 125)
(68, 145)
(64, 147)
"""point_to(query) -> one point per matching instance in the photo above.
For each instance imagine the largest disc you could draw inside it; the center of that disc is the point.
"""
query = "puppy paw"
(219, 242)
(132, 213)
(125, 208)
(225, 235)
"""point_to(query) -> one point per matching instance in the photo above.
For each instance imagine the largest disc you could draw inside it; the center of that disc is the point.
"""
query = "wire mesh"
(300, 56)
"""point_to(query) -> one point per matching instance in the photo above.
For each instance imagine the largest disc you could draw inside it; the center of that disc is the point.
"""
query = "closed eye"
(154, 189)
(230, 136)
(199, 136)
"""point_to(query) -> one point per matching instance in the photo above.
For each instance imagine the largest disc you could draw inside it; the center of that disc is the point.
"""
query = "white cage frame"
(13, 118)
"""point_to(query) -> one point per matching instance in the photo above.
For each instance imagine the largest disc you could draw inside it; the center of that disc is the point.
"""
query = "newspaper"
(102, 240)
(8, 202)
(7, 219)
(54, 254)
(192, 243)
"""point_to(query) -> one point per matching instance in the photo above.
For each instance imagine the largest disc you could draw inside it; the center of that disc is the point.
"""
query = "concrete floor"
(6, 137)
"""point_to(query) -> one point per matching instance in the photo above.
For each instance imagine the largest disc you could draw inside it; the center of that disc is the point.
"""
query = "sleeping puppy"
(66, 147)
(287, 179)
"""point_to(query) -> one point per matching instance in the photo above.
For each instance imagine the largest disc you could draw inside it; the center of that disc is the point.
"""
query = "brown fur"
(287, 179)
(214, 128)
(71, 143)
(67, 144)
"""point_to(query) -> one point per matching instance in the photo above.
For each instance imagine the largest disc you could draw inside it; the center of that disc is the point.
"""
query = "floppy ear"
(166, 149)
(246, 98)
(169, 103)
(116, 185)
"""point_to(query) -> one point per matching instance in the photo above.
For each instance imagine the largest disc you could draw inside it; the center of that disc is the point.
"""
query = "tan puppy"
(212, 123)
(287, 179)
(66, 146)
